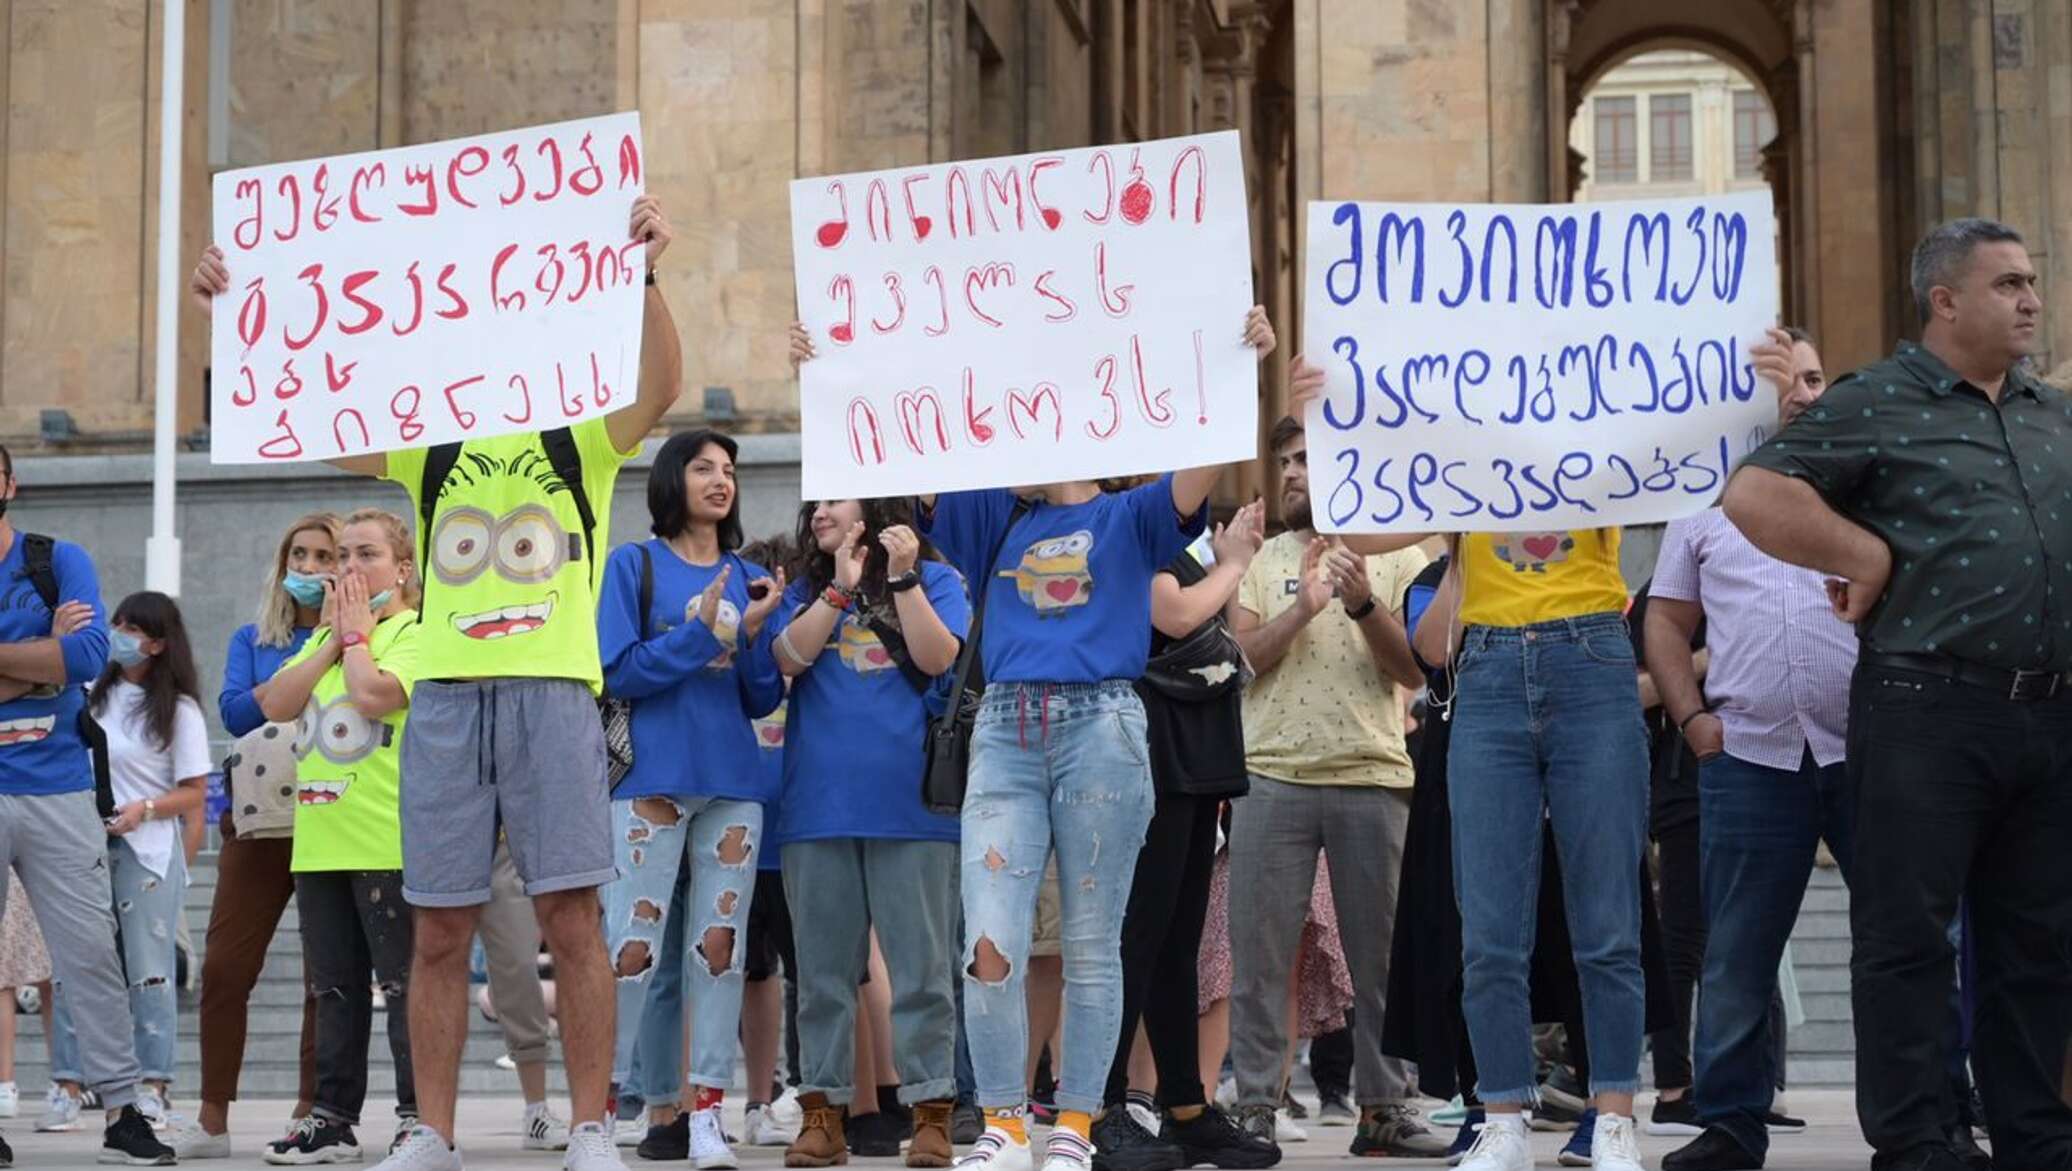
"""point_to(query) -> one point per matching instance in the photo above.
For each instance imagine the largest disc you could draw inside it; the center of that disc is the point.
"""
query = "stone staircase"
(275, 1024)
(1822, 1050)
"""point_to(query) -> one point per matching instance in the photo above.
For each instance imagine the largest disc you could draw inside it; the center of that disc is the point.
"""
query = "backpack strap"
(567, 461)
(647, 587)
(438, 463)
(39, 565)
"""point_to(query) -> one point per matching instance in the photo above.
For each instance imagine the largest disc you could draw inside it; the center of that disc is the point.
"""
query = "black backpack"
(562, 454)
(39, 566)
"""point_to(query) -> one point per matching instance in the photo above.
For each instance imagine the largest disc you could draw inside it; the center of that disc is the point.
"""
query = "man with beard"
(1329, 771)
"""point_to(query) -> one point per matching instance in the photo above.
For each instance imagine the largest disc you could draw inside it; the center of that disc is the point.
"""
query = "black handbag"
(946, 763)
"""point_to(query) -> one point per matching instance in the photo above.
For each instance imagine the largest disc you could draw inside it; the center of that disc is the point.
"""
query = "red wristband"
(835, 597)
(352, 639)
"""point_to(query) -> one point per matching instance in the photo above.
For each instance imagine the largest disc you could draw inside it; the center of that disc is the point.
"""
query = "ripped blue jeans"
(654, 839)
(1059, 767)
(147, 912)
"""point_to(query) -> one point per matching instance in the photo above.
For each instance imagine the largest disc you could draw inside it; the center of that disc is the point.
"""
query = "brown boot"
(930, 1146)
(820, 1142)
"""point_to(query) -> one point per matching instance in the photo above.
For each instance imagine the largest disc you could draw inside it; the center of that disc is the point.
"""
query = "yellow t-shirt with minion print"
(1517, 579)
(510, 584)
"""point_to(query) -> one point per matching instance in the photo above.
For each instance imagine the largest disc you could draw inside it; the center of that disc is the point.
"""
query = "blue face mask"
(125, 648)
(307, 589)
(379, 600)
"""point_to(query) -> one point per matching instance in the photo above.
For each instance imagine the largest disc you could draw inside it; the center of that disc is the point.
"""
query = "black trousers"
(1161, 940)
(1683, 938)
(1331, 1061)
(356, 931)
(1960, 790)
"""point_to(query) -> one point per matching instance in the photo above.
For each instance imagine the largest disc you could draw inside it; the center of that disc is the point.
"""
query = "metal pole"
(162, 551)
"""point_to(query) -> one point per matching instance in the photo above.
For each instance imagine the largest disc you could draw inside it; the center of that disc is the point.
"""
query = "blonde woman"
(348, 692)
(253, 883)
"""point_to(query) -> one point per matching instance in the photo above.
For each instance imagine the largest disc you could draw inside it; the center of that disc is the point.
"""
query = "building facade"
(1884, 116)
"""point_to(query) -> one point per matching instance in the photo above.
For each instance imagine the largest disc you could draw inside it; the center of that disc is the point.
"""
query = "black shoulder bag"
(946, 769)
(617, 713)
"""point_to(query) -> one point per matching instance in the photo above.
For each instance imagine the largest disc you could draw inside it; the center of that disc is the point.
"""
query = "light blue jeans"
(657, 1072)
(1546, 725)
(654, 839)
(1059, 767)
(147, 910)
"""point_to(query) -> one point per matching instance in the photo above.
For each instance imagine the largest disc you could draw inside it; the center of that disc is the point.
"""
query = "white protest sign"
(1025, 320)
(1497, 368)
(427, 294)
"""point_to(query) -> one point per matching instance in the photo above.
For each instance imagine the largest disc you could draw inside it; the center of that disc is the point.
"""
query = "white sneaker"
(1613, 1146)
(627, 1132)
(504, 1062)
(1226, 1092)
(1147, 1118)
(995, 1151)
(10, 1100)
(543, 1131)
(190, 1141)
(709, 1149)
(760, 1128)
(423, 1150)
(590, 1148)
(60, 1112)
(1068, 1152)
(786, 1109)
(1499, 1146)
(1285, 1131)
(151, 1104)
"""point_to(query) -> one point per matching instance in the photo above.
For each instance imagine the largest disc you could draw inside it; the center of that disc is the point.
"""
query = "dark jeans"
(1683, 938)
(1760, 828)
(1161, 940)
(1961, 792)
(356, 931)
(1331, 1061)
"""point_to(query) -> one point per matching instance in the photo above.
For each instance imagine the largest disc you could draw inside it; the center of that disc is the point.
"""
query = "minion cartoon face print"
(1532, 552)
(1052, 577)
(495, 573)
(860, 648)
(338, 732)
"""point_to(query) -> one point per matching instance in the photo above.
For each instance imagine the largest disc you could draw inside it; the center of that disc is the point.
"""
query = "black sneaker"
(1778, 1122)
(1553, 1115)
(671, 1141)
(1215, 1138)
(1293, 1105)
(1394, 1128)
(1120, 1144)
(1678, 1117)
(1563, 1088)
(1713, 1150)
(313, 1139)
(877, 1135)
(128, 1141)
(966, 1124)
(6, 1153)
(1967, 1150)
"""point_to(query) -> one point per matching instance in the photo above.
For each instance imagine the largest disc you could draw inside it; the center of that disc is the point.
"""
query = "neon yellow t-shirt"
(511, 588)
(1517, 579)
(349, 778)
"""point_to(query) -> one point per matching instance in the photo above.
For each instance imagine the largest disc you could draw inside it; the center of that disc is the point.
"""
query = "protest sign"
(1497, 368)
(1025, 320)
(427, 294)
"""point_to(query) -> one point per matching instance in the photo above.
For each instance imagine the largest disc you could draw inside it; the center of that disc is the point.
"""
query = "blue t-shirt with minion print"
(1070, 598)
(852, 763)
(693, 691)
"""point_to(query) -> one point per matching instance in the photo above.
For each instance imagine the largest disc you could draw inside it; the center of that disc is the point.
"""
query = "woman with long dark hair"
(694, 662)
(253, 880)
(148, 702)
(873, 617)
(348, 692)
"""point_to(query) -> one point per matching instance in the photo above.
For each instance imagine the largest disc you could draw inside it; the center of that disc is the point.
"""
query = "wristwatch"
(1365, 608)
(150, 809)
(904, 581)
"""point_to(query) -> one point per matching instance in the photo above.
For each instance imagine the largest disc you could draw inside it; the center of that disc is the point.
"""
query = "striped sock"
(1070, 1145)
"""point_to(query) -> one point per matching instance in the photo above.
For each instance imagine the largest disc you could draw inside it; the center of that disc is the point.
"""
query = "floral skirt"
(1326, 983)
(22, 958)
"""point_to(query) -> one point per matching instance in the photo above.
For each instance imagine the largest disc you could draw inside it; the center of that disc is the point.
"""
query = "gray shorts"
(522, 755)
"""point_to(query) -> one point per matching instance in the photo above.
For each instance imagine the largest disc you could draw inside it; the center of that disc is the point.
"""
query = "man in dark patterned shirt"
(1935, 487)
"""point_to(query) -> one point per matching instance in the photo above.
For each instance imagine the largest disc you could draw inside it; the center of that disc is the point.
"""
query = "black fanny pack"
(1205, 665)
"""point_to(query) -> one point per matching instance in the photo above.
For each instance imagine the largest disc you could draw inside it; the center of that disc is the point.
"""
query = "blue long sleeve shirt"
(40, 750)
(694, 690)
(245, 666)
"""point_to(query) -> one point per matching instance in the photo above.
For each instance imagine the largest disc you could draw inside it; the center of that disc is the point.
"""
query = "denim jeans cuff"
(1631, 1086)
(1523, 1096)
(836, 1095)
(940, 1089)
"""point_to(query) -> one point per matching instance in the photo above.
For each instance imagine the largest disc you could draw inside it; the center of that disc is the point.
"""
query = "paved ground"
(489, 1140)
